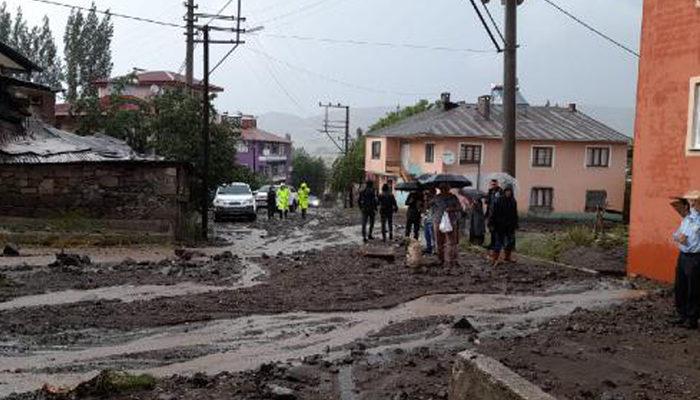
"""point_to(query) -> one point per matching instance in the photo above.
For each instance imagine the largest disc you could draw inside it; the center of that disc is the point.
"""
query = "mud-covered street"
(293, 308)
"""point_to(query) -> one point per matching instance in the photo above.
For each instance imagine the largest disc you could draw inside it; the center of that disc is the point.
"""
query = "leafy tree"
(311, 170)
(20, 37)
(87, 51)
(5, 24)
(349, 169)
(396, 116)
(46, 55)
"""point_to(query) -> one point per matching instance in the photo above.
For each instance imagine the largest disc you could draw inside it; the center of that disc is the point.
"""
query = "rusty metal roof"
(42, 143)
(541, 123)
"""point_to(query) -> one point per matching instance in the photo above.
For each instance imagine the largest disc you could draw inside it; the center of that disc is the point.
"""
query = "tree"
(311, 170)
(20, 37)
(396, 116)
(87, 51)
(5, 24)
(349, 169)
(46, 55)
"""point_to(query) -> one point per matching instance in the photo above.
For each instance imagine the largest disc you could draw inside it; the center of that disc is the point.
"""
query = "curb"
(477, 377)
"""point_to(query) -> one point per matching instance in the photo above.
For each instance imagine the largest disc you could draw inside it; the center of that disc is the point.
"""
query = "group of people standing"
(279, 200)
(443, 213)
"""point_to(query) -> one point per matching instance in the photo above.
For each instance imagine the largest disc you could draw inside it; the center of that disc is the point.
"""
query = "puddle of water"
(250, 341)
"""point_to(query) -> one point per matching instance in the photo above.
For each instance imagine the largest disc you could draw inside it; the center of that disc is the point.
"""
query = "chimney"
(483, 106)
(572, 107)
(445, 99)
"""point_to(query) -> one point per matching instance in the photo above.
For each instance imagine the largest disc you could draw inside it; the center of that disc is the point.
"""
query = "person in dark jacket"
(387, 209)
(504, 223)
(271, 202)
(477, 224)
(494, 193)
(415, 204)
(368, 205)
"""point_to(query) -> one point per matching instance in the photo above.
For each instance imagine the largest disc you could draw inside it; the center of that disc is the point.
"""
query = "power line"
(279, 84)
(372, 43)
(493, 21)
(334, 80)
(294, 12)
(113, 14)
(592, 29)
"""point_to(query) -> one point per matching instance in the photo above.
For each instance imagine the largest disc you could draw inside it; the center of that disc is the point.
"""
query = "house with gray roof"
(567, 161)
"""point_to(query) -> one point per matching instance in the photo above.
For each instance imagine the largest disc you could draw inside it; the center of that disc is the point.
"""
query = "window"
(242, 147)
(595, 199)
(598, 157)
(542, 156)
(376, 149)
(541, 199)
(694, 121)
(430, 152)
(469, 154)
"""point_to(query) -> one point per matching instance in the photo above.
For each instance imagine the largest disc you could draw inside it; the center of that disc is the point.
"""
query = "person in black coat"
(387, 208)
(503, 223)
(368, 205)
(271, 202)
(415, 204)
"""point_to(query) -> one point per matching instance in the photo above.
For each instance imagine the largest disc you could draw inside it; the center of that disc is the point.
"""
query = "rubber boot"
(495, 255)
(508, 256)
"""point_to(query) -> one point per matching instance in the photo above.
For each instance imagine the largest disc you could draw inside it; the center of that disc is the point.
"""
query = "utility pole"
(206, 119)
(329, 129)
(510, 86)
(189, 52)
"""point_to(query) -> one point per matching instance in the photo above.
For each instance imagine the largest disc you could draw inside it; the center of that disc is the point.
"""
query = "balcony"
(273, 158)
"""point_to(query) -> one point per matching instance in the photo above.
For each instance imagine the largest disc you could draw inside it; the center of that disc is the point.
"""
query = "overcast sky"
(558, 60)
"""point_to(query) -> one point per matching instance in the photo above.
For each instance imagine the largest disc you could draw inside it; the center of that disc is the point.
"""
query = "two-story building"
(264, 152)
(567, 162)
(667, 132)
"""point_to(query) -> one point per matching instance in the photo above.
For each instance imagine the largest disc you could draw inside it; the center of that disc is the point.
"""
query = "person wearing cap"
(687, 284)
(503, 223)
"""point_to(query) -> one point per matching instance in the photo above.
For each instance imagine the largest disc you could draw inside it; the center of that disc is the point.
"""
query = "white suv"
(234, 199)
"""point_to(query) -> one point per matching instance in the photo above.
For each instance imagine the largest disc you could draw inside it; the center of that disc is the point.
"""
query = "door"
(405, 155)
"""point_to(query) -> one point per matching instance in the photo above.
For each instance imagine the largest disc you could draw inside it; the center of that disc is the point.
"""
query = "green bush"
(580, 236)
(110, 382)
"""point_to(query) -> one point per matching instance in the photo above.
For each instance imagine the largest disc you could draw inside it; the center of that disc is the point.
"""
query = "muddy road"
(273, 308)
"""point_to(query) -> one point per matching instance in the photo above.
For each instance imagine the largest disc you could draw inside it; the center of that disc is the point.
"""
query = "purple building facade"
(263, 152)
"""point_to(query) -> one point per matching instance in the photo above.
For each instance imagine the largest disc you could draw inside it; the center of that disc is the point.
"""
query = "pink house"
(567, 162)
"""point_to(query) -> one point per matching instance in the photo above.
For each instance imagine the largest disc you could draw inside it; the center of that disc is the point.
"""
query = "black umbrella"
(455, 181)
(410, 186)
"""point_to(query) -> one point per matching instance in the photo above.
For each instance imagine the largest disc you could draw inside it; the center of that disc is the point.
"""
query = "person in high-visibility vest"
(304, 199)
(283, 200)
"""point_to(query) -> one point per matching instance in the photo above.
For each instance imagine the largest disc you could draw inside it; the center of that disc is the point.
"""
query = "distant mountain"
(305, 132)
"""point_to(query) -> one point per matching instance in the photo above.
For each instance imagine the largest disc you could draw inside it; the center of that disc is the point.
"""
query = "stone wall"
(120, 190)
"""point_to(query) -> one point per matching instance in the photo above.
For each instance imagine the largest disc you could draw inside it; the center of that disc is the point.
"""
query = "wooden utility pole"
(206, 119)
(510, 87)
(189, 51)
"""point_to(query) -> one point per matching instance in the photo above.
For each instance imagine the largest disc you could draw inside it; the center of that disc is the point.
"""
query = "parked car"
(261, 197)
(314, 201)
(235, 199)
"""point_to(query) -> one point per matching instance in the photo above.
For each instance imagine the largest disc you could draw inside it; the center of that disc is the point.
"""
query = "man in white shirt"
(687, 285)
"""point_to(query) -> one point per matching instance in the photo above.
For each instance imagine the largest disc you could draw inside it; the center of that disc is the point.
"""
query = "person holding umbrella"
(446, 210)
(687, 284)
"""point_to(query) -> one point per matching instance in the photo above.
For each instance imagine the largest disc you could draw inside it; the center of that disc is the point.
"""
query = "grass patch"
(110, 382)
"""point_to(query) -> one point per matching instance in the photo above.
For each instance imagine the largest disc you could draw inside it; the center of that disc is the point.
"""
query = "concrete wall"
(670, 58)
(568, 176)
(152, 191)
(477, 377)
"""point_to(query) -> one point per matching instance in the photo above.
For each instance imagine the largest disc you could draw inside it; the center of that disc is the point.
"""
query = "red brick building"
(667, 132)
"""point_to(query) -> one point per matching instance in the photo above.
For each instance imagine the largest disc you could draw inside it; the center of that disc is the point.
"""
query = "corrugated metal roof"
(259, 135)
(42, 143)
(534, 123)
